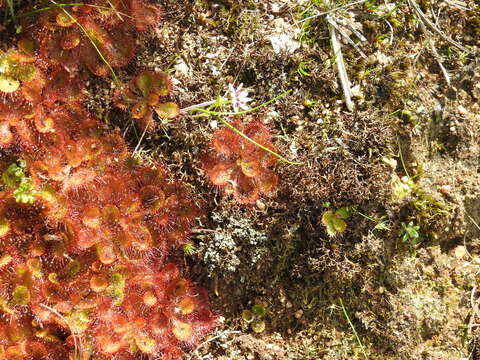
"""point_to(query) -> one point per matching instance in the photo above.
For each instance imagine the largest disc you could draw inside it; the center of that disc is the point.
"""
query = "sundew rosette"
(239, 166)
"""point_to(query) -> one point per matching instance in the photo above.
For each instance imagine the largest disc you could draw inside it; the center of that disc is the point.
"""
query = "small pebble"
(460, 252)
(445, 189)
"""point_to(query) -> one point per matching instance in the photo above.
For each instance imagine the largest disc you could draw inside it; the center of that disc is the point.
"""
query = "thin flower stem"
(353, 328)
(141, 137)
(401, 157)
(473, 221)
(74, 335)
(216, 102)
(235, 130)
(11, 10)
(115, 79)
(229, 113)
(58, 5)
(365, 216)
(33, 12)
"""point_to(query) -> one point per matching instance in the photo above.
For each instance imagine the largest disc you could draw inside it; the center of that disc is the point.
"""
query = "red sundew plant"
(240, 167)
(97, 216)
(98, 36)
(143, 95)
(21, 340)
(134, 309)
(85, 229)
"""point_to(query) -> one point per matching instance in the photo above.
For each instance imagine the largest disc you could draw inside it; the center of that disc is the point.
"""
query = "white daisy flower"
(239, 97)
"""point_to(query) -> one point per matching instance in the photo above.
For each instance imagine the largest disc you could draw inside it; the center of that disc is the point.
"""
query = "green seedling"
(247, 315)
(188, 248)
(310, 103)
(24, 193)
(410, 233)
(258, 326)
(302, 68)
(15, 177)
(259, 310)
(253, 317)
(334, 221)
(14, 174)
(409, 188)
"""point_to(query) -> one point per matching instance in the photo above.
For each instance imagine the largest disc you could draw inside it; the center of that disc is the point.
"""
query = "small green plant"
(15, 177)
(302, 68)
(24, 193)
(14, 174)
(402, 188)
(253, 317)
(381, 223)
(334, 221)
(427, 205)
(347, 317)
(410, 233)
(188, 248)
(308, 35)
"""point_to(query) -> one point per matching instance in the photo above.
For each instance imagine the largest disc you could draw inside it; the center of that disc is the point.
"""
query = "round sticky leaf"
(259, 310)
(258, 326)
(4, 227)
(181, 330)
(20, 295)
(144, 82)
(167, 110)
(8, 85)
(247, 315)
(65, 20)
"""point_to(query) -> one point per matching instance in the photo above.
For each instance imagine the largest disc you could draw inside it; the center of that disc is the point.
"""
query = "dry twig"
(439, 60)
(431, 42)
(413, 4)
(342, 72)
(333, 22)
